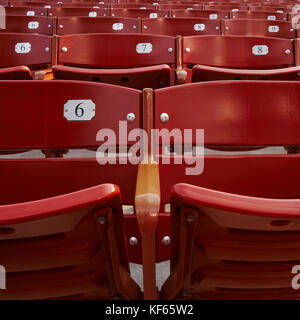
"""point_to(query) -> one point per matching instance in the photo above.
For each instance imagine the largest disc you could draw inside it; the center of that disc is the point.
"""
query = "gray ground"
(162, 269)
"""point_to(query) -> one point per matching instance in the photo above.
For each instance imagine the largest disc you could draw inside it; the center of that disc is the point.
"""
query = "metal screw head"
(187, 50)
(217, 28)
(226, 28)
(184, 293)
(49, 26)
(61, 26)
(133, 241)
(170, 49)
(164, 117)
(189, 218)
(145, 27)
(64, 49)
(134, 27)
(287, 51)
(130, 117)
(101, 220)
(166, 241)
(47, 49)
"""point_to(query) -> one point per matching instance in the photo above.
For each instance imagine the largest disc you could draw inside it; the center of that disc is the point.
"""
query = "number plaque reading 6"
(23, 47)
(144, 48)
(79, 110)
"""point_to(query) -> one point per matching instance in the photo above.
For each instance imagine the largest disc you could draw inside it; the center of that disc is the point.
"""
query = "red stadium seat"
(270, 8)
(75, 109)
(236, 224)
(182, 6)
(63, 237)
(94, 5)
(132, 60)
(139, 13)
(35, 11)
(181, 26)
(258, 28)
(32, 4)
(73, 25)
(20, 49)
(234, 57)
(66, 241)
(258, 15)
(15, 73)
(208, 14)
(228, 7)
(141, 6)
(77, 12)
(29, 24)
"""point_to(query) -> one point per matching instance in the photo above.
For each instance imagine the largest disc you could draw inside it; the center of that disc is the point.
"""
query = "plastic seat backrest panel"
(36, 11)
(75, 25)
(139, 13)
(238, 52)
(116, 50)
(181, 26)
(53, 114)
(29, 24)
(259, 15)
(244, 113)
(75, 12)
(208, 14)
(259, 28)
(31, 50)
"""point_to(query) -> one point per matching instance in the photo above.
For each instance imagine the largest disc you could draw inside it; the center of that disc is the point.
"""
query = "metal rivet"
(170, 49)
(166, 241)
(133, 241)
(64, 49)
(226, 28)
(217, 28)
(130, 117)
(101, 220)
(287, 51)
(187, 50)
(47, 49)
(189, 218)
(134, 27)
(164, 117)
(61, 26)
(184, 293)
(174, 16)
(50, 14)
(145, 27)
(49, 26)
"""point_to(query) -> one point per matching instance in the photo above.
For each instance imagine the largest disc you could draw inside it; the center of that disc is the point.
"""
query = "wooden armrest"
(181, 76)
(147, 196)
(45, 74)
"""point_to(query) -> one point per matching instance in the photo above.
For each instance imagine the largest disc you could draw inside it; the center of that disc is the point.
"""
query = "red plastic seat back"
(75, 25)
(260, 28)
(116, 50)
(141, 6)
(259, 15)
(238, 52)
(58, 114)
(31, 50)
(270, 8)
(75, 12)
(181, 26)
(28, 24)
(139, 13)
(207, 14)
(244, 113)
(23, 11)
(183, 6)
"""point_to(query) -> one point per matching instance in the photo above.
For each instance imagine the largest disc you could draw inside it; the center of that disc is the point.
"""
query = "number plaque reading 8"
(79, 110)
